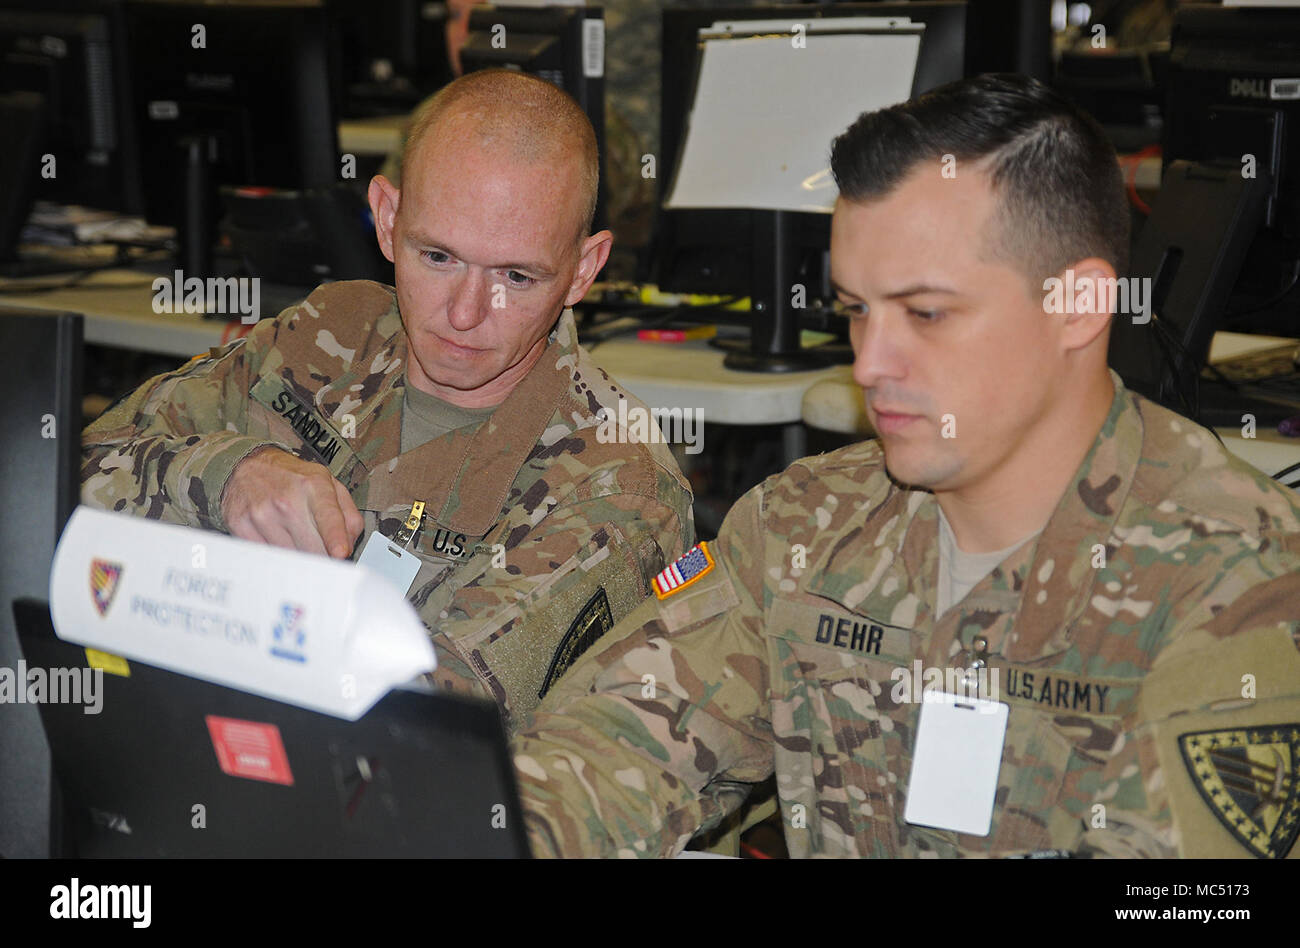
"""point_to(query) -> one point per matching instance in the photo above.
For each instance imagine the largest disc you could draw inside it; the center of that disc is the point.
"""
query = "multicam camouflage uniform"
(536, 536)
(1154, 696)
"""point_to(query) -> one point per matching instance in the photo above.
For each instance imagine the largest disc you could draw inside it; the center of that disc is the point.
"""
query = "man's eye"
(435, 256)
(926, 315)
(518, 279)
(849, 310)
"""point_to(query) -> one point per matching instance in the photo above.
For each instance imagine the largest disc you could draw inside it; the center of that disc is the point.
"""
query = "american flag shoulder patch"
(694, 564)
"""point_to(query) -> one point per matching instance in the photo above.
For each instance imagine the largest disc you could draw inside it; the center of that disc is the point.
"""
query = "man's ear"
(592, 256)
(1092, 287)
(384, 199)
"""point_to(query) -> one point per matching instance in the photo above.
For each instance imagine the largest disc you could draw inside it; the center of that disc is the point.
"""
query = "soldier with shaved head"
(454, 412)
(1038, 616)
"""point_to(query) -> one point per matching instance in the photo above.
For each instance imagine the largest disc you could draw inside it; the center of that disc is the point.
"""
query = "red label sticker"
(248, 749)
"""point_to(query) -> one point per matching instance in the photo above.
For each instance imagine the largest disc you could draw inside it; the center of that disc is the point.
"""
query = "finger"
(304, 527)
(331, 525)
(352, 518)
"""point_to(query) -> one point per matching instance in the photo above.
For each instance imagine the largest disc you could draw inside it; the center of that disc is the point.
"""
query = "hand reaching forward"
(274, 497)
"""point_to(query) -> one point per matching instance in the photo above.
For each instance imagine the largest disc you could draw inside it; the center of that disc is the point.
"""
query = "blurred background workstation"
(127, 162)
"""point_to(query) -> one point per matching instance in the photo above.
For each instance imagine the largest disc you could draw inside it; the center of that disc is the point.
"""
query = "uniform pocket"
(839, 740)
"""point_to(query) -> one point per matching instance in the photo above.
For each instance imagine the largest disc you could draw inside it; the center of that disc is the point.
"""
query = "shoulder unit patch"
(1250, 777)
(592, 622)
(692, 565)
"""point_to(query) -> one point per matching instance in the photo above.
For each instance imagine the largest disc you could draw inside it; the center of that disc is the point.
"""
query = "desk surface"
(691, 375)
(118, 311)
(118, 306)
(371, 136)
(119, 314)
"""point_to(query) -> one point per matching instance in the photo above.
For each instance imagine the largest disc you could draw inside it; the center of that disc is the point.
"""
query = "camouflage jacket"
(1146, 644)
(537, 537)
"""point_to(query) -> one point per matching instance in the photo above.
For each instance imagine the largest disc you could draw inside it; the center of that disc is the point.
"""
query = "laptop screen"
(158, 764)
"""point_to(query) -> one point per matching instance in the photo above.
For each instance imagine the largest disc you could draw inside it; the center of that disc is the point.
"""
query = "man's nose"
(878, 355)
(467, 305)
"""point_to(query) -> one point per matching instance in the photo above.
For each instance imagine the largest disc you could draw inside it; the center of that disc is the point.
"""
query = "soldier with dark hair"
(1040, 615)
(461, 392)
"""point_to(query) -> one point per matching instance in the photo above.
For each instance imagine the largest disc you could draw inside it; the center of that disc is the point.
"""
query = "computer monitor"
(731, 252)
(1222, 242)
(1233, 90)
(565, 45)
(40, 453)
(236, 94)
(1009, 36)
(71, 52)
(40, 431)
(22, 115)
(392, 54)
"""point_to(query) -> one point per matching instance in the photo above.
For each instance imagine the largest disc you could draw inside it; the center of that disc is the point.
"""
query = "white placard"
(955, 763)
(766, 110)
(323, 634)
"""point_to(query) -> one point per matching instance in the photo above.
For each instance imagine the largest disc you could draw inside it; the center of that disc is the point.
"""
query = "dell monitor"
(1222, 244)
(72, 54)
(1234, 91)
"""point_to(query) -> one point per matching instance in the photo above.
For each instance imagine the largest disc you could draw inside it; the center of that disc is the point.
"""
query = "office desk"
(691, 375)
(117, 305)
(371, 136)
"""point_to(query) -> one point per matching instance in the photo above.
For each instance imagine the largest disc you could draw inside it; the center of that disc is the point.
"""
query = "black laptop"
(173, 766)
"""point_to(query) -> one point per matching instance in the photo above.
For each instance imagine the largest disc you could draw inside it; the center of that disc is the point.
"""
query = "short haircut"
(536, 121)
(1060, 193)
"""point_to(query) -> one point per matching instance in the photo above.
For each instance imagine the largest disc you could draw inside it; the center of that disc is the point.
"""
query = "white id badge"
(390, 561)
(955, 763)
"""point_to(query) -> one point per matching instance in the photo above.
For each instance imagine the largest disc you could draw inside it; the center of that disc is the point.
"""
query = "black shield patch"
(1248, 776)
(592, 622)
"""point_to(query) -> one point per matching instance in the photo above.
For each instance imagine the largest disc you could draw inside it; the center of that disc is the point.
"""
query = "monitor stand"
(774, 343)
(197, 231)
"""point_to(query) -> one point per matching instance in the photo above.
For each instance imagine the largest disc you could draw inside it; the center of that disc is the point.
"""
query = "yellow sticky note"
(113, 664)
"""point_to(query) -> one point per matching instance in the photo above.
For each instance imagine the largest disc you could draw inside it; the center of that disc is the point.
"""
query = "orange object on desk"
(677, 335)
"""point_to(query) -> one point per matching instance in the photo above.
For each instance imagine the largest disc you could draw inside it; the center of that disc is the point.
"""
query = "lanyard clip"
(978, 656)
(413, 521)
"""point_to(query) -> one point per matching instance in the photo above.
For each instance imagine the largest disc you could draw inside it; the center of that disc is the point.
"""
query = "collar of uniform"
(900, 589)
(1055, 593)
(465, 475)
(897, 534)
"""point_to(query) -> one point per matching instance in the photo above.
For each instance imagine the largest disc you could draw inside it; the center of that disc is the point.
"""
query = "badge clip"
(413, 521)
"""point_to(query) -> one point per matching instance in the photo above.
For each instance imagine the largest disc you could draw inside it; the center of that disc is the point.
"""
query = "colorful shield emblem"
(1248, 777)
(103, 583)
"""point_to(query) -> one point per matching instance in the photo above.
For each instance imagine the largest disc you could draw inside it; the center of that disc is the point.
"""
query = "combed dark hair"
(1055, 173)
